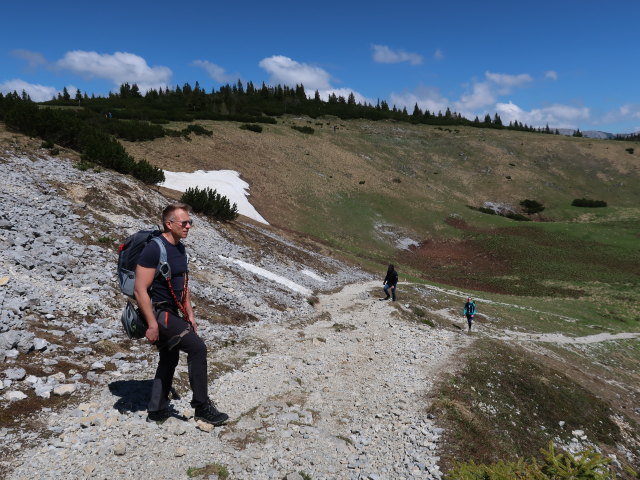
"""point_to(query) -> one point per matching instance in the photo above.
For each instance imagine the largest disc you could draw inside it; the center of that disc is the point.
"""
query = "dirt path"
(341, 395)
(513, 336)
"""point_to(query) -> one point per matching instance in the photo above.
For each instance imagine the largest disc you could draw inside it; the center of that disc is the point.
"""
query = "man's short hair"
(167, 213)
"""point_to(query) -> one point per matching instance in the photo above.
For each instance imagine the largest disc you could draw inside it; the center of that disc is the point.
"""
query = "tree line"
(90, 124)
(251, 104)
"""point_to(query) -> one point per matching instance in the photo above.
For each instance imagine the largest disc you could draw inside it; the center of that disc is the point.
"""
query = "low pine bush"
(305, 129)
(531, 206)
(147, 173)
(588, 203)
(252, 127)
(80, 132)
(557, 466)
(211, 203)
(133, 130)
(198, 130)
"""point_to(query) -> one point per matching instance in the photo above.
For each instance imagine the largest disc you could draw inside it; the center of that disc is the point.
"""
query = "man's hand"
(152, 334)
(192, 320)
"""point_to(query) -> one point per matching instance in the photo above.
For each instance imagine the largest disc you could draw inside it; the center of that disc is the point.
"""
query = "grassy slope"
(365, 185)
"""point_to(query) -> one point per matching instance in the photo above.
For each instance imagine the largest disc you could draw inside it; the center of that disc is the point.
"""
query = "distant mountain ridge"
(588, 133)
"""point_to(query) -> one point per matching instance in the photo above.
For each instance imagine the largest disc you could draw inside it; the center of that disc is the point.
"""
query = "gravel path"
(337, 394)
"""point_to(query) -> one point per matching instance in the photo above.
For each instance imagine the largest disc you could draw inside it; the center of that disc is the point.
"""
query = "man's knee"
(194, 345)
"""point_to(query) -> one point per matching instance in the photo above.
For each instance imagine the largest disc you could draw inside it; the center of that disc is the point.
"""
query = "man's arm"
(144, 279)
(191, 318)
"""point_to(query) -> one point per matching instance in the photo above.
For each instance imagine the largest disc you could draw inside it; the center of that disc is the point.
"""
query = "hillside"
(384, 192)
(323, 379)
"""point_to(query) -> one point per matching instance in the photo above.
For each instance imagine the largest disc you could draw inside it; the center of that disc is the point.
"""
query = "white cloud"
(551, 75)
(384, 54)
(342, 92)
(284, 70)
(625, 113)
(486, 93)
(482, 95)
(508, 81)
(438, 54)
(120, 67)
(33, 59)
(38, 93)
(215, 71)
(427, 98)
(556, 116)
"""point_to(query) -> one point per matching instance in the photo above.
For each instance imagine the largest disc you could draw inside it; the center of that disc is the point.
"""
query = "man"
(166, 306)
(469, 311)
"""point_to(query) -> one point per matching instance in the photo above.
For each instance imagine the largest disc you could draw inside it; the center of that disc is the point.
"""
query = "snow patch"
(226, 182)
(269, 275)
(313, 275)
(396, 235)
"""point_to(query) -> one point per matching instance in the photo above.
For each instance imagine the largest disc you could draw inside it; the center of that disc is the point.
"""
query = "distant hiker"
(166, 306)
(390, 283)
(469, 311)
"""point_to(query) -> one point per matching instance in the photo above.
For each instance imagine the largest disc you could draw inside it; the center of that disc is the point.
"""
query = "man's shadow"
(134, 394)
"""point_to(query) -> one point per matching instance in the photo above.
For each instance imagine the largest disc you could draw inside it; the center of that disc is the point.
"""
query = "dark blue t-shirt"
(177, 260)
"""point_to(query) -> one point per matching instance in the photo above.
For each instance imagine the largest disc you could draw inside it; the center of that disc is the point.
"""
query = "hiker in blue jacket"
(390, 283)
(469, 311)
(166, 306)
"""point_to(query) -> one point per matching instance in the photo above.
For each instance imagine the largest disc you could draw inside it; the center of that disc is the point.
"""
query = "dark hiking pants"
(387, 287)
(172, 341)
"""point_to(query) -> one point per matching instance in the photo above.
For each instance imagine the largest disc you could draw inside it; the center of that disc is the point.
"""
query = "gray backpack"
(132, 320)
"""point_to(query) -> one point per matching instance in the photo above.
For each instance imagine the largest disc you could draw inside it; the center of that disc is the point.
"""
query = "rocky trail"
(340, 394)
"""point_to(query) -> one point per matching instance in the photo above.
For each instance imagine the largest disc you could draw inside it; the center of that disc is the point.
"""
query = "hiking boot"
(210, 414)
(159, 416)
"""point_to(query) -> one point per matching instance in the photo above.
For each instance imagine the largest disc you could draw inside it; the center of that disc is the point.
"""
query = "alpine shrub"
(252, 126)
(531, 206)
(133, 130)
(198, 130)
(147, 173)
(558, 466)
(211, 203)
(305, 129)
(586, 202)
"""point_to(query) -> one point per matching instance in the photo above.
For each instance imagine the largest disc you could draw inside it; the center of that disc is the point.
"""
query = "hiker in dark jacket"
(390, 283)
(469, 311)
(171, 323)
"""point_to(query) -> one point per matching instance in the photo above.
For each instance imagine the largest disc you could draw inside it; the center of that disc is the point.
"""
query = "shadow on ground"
(134, 394)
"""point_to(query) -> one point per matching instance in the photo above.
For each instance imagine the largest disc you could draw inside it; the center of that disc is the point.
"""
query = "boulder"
(15, 373)
(14, 395)
(66, 389)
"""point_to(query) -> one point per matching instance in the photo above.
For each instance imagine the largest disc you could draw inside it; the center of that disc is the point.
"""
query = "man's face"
(180, 223)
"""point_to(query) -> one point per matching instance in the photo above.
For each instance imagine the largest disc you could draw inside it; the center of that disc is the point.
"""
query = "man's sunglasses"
(183, 223)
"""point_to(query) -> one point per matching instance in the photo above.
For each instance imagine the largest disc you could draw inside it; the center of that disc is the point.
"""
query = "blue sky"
(566, 63)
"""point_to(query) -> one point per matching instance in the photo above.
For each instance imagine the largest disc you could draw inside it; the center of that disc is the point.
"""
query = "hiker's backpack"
(132, 320)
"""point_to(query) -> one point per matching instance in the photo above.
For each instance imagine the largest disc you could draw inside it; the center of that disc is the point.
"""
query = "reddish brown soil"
(462, 263)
